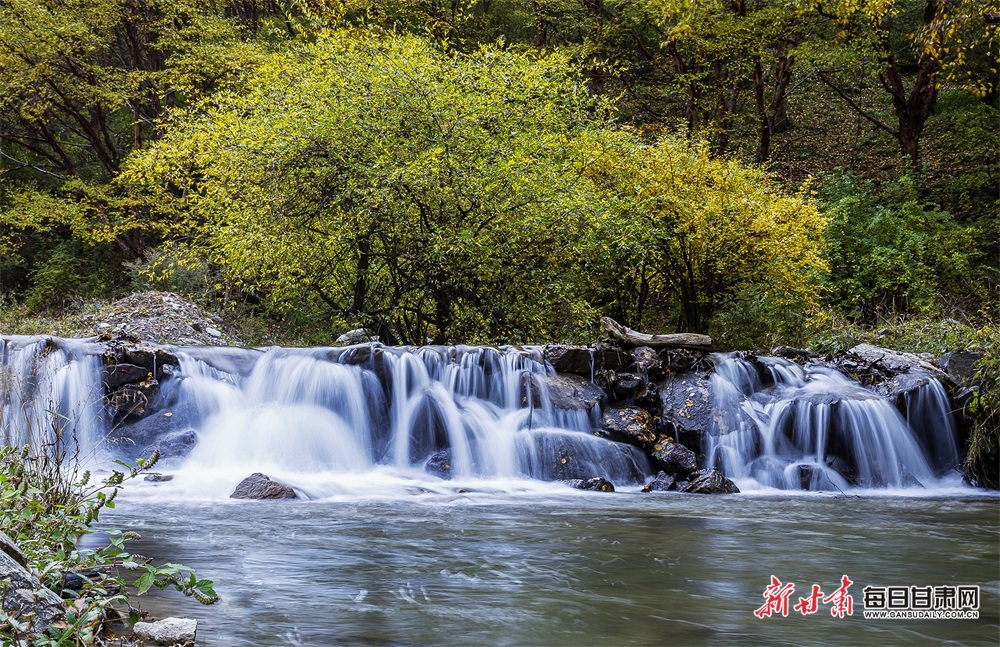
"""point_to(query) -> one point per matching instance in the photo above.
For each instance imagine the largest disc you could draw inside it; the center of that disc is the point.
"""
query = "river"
(548, 566)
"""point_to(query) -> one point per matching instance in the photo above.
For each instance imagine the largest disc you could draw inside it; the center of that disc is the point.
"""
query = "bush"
(47, 502)
(891, 253)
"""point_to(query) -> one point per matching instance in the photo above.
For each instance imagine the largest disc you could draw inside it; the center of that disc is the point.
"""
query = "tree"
(380, 181)
(891, 43)
(703, 232)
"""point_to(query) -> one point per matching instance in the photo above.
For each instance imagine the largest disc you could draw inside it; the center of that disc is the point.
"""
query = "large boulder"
(24, 598)
(169, 631)
(260, 486)
(632, 425)
(116, 375)
(708, 482)
(8, 546)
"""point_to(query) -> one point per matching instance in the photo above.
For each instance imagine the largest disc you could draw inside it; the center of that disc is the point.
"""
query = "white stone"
(169, 631)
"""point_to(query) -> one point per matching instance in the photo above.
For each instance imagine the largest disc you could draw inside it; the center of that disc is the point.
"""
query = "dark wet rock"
(439, 464)
(570, 359)
(686, 409)
(118, 375)
(662, 483)
(597, 484)
(131, 438)
(613, 359)
(620, 386)
(647, 362)
(675, 458)
(76, 581)
(570, 392)
(153, 359)
(632, 425)
(960, 366)
(681, 360)
(896, 388)
(169, 631)
(176, 444)
(133, 400)
(23, 595)
(159, 478)
(260, 486)
(708, 482)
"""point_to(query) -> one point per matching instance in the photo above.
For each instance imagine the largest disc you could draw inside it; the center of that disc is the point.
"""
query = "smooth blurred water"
(555, 567)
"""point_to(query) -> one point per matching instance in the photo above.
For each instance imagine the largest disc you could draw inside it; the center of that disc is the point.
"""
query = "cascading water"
(814, 429)
(326, 420)
(376, 419)
(50, 394)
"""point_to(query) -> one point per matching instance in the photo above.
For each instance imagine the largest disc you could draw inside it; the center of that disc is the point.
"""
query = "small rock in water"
(662, 483)
(159, 478)
(260, 486)
(440, 464)
(708, 482)
(169, 631)
(597, 484)
(675, 458)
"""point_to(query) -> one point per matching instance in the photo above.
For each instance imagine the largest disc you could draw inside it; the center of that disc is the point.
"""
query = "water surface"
(565, 568)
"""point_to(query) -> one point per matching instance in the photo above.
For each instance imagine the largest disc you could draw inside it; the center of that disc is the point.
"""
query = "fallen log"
(629, 337)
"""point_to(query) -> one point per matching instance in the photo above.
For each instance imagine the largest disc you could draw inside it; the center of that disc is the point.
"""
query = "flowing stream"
(434, 511)
(553, 568)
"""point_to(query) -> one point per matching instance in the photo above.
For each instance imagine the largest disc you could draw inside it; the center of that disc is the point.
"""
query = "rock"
(260, 486)
(169, 631)
(960, 366)
(439, 464)
(118, 375)
(570, 359)
(571, 392)
(356, 336)
(176, 444)
(892, 360)
(214, 333)
(8, 546)
(132, 400)
(675, 458)
(791, 353)
(614, 359)
(158, 478)
(25, 598)
(662, 483)
(150, 358)
(686, 409)
(621, 386)
(597, 484)
(631, 425)
(647, 362)
(708, 482)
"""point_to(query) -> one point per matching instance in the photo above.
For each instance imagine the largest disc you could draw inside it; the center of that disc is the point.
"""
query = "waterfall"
(50, 394)
(790, 427)
(327, 419)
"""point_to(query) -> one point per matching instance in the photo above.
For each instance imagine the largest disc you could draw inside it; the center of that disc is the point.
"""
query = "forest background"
(506, 171)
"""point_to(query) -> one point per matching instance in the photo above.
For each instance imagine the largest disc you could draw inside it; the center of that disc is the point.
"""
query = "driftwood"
(629, 337)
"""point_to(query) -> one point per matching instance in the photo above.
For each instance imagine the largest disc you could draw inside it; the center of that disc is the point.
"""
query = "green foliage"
(902, 255)
(697, 234)
(982, 462)
(46, 504)
(385, 182)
